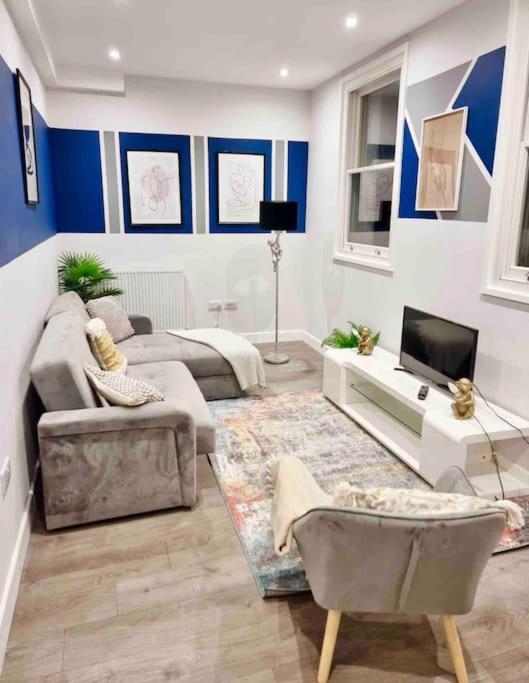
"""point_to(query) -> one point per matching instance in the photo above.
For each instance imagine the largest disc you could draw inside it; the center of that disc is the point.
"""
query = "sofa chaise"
(99, 461)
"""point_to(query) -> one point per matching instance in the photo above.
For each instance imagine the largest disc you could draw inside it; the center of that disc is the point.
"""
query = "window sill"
(374, 263)
(510, 291)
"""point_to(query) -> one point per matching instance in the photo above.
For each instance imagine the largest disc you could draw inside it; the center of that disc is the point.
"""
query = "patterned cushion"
(120, 390)
(112, 313)
(105, 351)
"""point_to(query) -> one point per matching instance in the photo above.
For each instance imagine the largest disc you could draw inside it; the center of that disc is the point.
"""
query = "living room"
(263, 280)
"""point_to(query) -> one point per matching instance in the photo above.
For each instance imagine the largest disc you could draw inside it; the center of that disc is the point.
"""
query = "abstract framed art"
(441, 161)
(154, 188)
(27, 140)
(241, 187)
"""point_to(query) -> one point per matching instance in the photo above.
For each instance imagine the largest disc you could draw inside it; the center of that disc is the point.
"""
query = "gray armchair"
(366, 561)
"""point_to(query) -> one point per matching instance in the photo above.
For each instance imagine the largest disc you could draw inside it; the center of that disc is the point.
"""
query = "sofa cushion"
(175, 382)
(120, 390)
(105, 351)
(112, 313)
(202, 360)
(56, 369)
(67, 302)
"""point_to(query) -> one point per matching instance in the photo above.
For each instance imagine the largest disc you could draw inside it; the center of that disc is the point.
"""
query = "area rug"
(251, 431)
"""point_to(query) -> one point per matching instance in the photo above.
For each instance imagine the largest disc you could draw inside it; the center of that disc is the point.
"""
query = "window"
(507, 273)
(372, 122)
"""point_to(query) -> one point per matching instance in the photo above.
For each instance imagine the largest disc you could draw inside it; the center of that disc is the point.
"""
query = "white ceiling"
(230, 41)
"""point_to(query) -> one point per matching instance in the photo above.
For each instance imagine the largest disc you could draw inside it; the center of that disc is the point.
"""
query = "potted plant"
(87, 275)
(338, 339)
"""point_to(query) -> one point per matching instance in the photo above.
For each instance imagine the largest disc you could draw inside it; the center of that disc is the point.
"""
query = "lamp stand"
(274, 357)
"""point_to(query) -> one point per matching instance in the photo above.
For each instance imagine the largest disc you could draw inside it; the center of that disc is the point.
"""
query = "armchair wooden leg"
(329, 643)
(454, 645)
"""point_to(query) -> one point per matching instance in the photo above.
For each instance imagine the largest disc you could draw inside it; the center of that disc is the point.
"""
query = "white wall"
(216, 266)
(167, 106)
(27, 286)
(438, 265)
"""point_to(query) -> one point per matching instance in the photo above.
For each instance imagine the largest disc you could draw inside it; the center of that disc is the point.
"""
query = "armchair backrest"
(364, 561)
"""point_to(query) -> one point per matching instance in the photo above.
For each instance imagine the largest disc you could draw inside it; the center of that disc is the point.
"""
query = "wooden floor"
(169, 597)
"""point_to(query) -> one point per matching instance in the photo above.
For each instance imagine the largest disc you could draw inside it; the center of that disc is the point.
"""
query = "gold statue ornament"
(366, 342)
(463, 407)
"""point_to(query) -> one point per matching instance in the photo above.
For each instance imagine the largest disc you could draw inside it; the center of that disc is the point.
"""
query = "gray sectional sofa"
(100, 462)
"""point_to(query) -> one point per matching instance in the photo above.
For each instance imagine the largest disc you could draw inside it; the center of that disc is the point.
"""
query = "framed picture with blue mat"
(240, 177)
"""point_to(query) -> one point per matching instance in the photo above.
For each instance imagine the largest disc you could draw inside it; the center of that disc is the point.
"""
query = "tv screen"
(437, 349)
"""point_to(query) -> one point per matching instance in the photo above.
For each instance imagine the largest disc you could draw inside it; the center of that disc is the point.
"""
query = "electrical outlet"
(230, 305)
(5, 477)
(214, 305)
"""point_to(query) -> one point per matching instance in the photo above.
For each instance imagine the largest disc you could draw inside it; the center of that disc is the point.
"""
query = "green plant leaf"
(86, 274)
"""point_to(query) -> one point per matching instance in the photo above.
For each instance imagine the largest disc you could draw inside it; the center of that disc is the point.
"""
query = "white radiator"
(160, 294)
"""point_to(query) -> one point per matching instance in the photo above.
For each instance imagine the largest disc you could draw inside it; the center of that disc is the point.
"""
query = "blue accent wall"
(156, 142)
(22, 226)
(298, 159)
(408, 180)
(235, 145)
(78, 182)
(482, 94)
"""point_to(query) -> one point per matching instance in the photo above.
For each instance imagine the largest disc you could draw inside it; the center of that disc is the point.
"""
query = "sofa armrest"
(116, 418)
(141, 324)
(66, 436)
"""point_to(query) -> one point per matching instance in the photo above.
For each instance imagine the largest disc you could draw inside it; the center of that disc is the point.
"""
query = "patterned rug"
(250, 431)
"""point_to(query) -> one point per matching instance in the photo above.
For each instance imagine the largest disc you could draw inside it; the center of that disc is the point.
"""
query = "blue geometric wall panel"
(240, 146)
(158, 142)
(298, 158)
(22, 226)
(408, 181)
(482, 94)
(78, 182)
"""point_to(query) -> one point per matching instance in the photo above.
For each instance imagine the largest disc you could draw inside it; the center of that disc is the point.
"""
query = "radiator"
(160, 294)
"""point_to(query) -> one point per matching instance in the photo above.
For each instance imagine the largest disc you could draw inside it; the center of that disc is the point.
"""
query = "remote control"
(423, 392)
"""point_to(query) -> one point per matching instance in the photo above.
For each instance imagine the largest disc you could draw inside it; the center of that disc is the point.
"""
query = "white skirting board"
(9, 595)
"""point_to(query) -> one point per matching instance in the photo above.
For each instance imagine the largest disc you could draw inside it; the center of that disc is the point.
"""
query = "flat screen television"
(437, 349)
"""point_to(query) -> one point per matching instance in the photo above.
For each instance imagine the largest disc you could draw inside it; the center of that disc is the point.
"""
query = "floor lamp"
(278, 217)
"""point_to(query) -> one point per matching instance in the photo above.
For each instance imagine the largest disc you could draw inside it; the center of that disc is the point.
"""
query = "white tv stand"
(425, 434)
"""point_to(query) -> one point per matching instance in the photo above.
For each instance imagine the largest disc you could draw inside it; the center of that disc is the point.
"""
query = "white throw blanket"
(243, 357)
(295, 492)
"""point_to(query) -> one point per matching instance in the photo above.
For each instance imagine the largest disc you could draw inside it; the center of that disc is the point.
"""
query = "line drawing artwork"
(241, 187)
(441, 160)
(27, 140)
(154, 188)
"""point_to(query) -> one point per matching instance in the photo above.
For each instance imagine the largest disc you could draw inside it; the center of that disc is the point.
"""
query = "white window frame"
(356, 84)
(502, 278)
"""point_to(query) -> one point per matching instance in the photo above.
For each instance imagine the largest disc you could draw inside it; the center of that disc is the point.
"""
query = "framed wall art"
(241, 187)
(441, 161)
(27, 140)
(154, 188)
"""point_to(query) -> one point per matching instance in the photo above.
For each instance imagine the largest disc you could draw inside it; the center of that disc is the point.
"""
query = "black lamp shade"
(278, 215)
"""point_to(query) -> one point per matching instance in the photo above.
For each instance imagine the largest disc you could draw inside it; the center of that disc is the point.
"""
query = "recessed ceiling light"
(284, 72)
(114, 54)
(351, 21)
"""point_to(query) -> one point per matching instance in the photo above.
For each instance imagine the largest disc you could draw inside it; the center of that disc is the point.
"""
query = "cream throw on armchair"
(295, 492)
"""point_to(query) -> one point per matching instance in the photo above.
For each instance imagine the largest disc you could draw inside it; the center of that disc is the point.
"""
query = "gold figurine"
(366, 342)
(463, 406)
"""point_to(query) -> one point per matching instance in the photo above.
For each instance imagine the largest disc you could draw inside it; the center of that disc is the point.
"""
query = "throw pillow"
(107, 355)
(414, 502)
(120, 390)
(112, 313)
